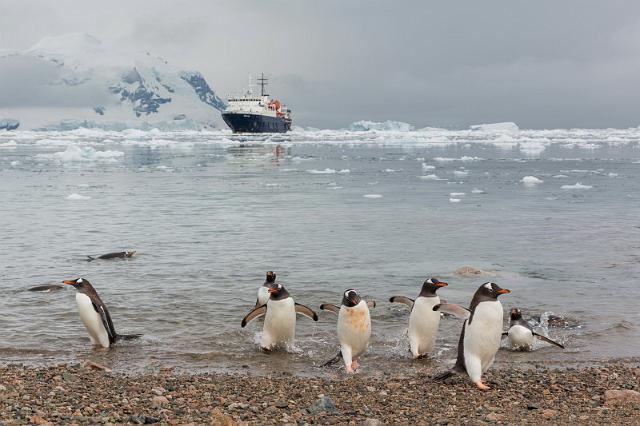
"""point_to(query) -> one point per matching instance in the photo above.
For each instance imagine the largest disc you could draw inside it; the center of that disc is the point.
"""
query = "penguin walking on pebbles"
(520, 334)
(95, 315)
(423, 320)
(279, 318)
(481, 332)
(263, 291)
(354, 329)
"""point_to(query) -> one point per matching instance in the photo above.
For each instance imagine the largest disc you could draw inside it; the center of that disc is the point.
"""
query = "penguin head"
(277, 292)
(129, 253)
(82, 285)
(515, 314)
(430, 286)
(271, 277)
(492, 290)
(351, 298)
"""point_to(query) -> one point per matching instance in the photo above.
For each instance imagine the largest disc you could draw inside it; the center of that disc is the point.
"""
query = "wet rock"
(548, 413)
(323, 403)
(621, 397)
(95, 366)
(469, 271)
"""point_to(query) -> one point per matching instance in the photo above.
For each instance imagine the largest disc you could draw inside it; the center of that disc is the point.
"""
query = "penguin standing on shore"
(423, 320)
(263, 291)
(95, 315)
(520, 335)
(481, 332)
(279, 318)
(354, 329)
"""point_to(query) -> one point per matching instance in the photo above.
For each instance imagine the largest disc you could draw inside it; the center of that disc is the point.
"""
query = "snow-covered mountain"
(75, 80)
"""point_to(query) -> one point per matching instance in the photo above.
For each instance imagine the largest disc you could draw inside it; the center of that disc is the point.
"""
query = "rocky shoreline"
(88, 394)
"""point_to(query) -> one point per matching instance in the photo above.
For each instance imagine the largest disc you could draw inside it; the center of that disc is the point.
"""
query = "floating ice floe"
(372, 196)
(460, 173)
(578, 185)
(560, 176)
(430, 177)
(464, 159)
(83, 154)
(506, 126)
(326, 171)
(344, 171)
(454, 200)
(478, 191)
(611, 174)
(426, 167)
(531, 181)
(76, 196)
(456, 194)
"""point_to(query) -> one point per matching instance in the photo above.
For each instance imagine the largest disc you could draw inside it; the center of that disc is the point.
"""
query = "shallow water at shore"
(208, 218)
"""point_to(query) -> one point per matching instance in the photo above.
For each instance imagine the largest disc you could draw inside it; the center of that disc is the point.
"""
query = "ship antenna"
(263, 82)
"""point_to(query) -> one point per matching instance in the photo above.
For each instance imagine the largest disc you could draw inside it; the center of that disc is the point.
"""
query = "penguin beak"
(272, 290)
(503, 291)
(441, 284)
(69, 282)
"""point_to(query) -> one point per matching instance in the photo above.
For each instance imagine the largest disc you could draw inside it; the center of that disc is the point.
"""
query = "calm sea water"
(379, 212)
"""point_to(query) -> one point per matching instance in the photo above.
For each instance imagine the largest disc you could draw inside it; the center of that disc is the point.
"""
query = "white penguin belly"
(423, 325)
(263, 295)
(92, 321)
(354, 328)
(279, 323)
(520, 338)
(482, 337)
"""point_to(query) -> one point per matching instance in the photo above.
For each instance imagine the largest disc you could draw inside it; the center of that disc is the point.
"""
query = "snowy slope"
(75, 80)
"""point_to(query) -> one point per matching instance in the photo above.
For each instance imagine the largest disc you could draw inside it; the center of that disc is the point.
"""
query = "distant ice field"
(551, 215)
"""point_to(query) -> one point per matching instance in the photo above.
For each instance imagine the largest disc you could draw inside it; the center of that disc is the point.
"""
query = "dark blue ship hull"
(255, 123)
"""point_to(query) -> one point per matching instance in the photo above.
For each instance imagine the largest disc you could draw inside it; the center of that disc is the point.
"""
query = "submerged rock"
(470, 271)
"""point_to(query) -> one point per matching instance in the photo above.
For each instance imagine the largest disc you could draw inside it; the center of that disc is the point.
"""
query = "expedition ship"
(257, 114)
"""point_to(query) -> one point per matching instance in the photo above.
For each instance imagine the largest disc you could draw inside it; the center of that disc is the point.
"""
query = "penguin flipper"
(255, 313)
(371, 304)
(444, 375)
(106, 321)
(402, 299)
(331, 308)
(257, 303)
(90, 258)
(453, 309)
(546, 339)
(307, 312)
(333, 360)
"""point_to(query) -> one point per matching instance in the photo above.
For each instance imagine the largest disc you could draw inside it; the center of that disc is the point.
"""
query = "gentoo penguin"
(95, 315)
(263, 291)
(116, 255)
(481, 332)
(354, 329)
(279, 318)
(521, 333)
(423, 320)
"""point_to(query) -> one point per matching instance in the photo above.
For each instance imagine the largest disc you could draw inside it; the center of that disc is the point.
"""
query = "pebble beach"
(90, 394)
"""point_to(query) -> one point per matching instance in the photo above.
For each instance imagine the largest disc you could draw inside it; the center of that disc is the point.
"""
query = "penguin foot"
(482, 386)
(350, 370)
(266, 350)
(355, 365)
(420, 356)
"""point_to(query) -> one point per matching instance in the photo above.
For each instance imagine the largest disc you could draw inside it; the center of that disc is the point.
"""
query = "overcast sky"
(541, 64)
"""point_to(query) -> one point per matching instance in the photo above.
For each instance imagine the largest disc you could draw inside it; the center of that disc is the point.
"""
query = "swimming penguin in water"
(95, 315)
(279, 318)
(521, 333)
(481, 332)
(263, 291)
(354, 329)
(115, 255)
(48, 288)
(423, 320)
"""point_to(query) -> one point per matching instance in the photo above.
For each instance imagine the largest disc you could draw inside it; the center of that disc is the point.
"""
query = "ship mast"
(263, 82)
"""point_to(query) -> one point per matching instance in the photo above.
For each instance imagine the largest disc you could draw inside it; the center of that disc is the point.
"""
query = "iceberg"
(506, 127)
